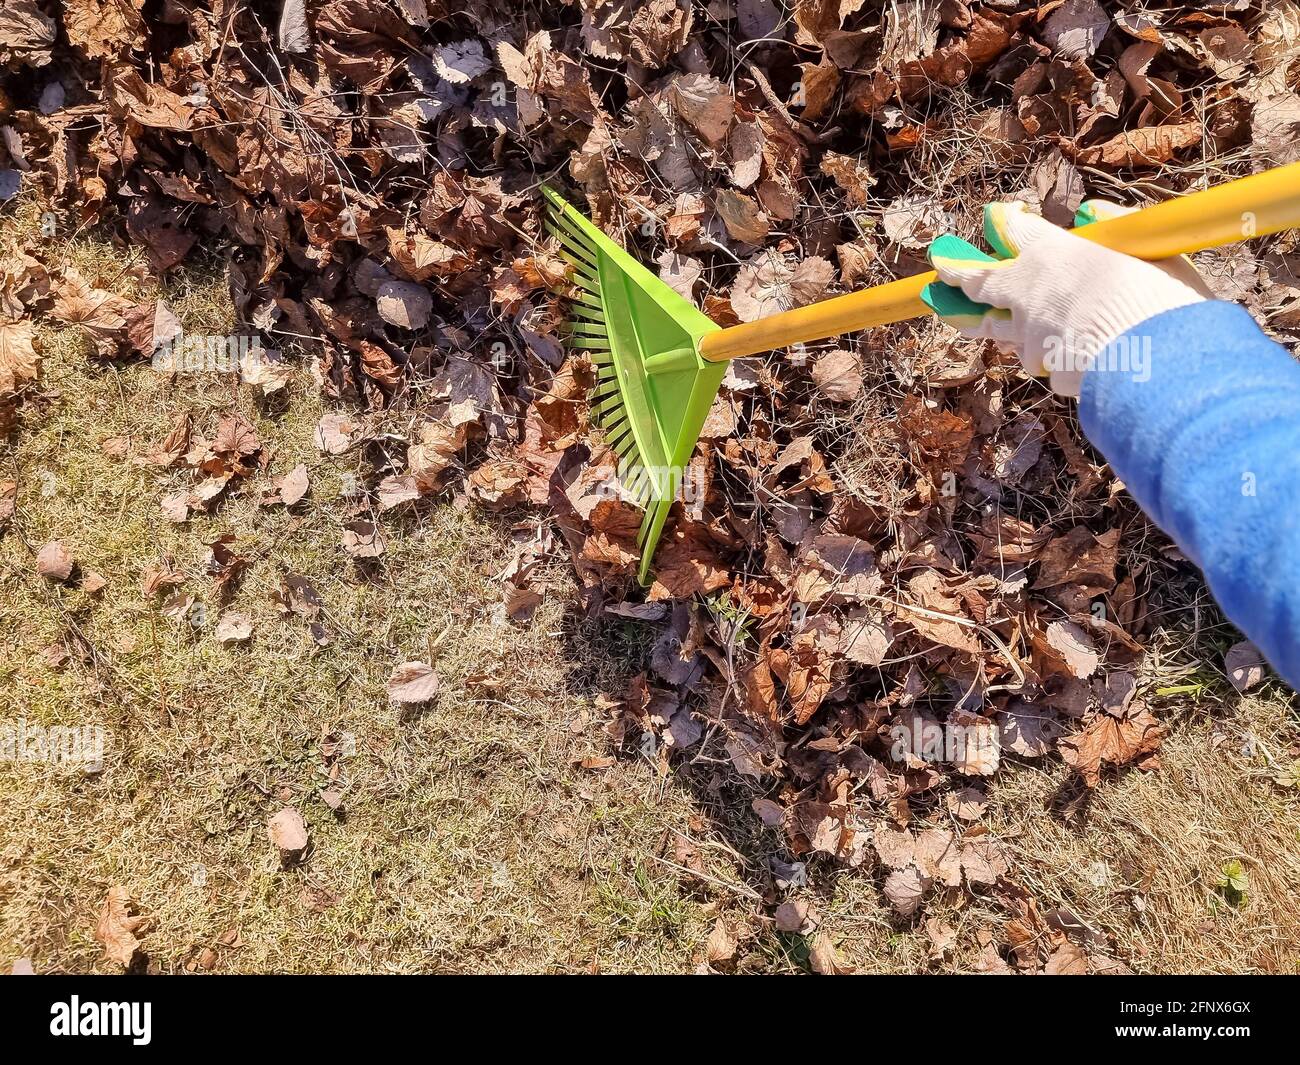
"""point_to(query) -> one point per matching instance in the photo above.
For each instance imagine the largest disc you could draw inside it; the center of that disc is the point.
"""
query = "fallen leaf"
(334, 433)
(1075, 647)
(824, 958)
(397, 489)
(1066, 960)
(363, 539)
(744, 218)
(54, 561)
(288, 832)
(904, 889)
(233, 627)
(119, 921)
(292, 487)
(1244, 665)
(461, 61)
(1076, 28)
(1145, 147)
(19, 359)
(722, 945)
(404, 304)
(791, 916)
(412, 682)
(292, 31)
(1111, 741)
(838, 376)
(768, 284)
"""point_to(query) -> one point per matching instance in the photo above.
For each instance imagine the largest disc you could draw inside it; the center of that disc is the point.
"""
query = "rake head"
(653, 389)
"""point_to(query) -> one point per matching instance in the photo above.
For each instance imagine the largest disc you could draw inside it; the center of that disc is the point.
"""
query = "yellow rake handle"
(1248, 207)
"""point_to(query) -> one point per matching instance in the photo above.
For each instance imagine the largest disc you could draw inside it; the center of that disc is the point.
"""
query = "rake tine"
(590, 329)
(560, 228)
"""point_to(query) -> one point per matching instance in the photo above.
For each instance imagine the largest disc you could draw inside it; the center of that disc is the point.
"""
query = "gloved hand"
(1056, 298)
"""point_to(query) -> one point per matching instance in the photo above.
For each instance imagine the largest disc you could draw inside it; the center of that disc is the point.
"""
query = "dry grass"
(471, 838)
(1146, 867)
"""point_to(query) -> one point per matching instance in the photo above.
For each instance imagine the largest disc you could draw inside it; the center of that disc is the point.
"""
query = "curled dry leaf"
(461, 61)
(19, 356)
(397, 489)
(744, 218)
(93, 583)
(1111, 741)
(293, 33)
(1244, 665)
(176, 507)
(767, 284)
(838, 376)
(825, 958)
(1145, 147)
(791, 916)
(1076, 28)
(521, 602)
(1075, 647)
(363, 539)
(8, 500)
(119, 921)
(291, 488)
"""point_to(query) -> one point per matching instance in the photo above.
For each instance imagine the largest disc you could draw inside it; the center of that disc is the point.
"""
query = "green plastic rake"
(660, 361)
(653, 390)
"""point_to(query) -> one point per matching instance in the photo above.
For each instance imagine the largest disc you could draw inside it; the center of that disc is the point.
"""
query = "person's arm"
(1197, 412)
(1207, 440)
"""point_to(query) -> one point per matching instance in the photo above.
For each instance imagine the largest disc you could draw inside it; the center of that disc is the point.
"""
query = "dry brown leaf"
(1075, 647)
(20, 360)
(838, 376)
(26, 34)
(1075, 29)
(292, 487)
(8, 500)
(743, 217)
(1244, 665)
(706, 104)
(363, 539)
(404, 304)
(722, 945)
(233, 627)
(983, 861)
(1111, 741)
(768, 284)
(288, 832)
(334, 433)
(791, 916)
(119, 921)
(104, 29)
(824, 958)
(904, 889)
(1145, 147)
(1067, 960)
(412, 682)
(54, 561)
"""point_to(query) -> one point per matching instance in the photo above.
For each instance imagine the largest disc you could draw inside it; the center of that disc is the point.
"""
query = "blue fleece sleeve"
(1198, 413)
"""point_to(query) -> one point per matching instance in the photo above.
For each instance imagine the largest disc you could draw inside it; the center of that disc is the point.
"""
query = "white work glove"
(1060, 301)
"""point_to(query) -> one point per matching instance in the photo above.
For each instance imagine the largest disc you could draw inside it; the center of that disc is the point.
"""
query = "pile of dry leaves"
(902, 564)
